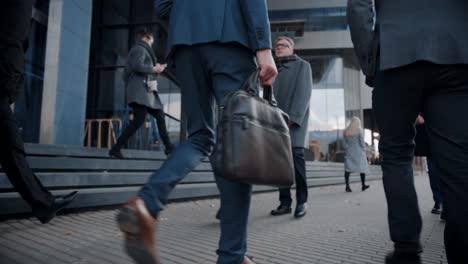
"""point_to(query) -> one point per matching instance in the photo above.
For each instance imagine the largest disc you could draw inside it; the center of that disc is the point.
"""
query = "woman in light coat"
(355, 157)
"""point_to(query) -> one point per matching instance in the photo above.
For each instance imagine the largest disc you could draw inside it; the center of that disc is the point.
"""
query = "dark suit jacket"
(15, 19)
(204, 21)
(410, 31)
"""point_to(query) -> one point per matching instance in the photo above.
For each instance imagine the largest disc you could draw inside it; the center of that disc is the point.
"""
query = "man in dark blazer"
(292, 90)
(15, 19)
(422, 66)
(213, 45)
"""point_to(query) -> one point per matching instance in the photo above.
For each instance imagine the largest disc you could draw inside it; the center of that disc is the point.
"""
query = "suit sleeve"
(360, 14)
(256, 18)
(302, 94)
(163, 8)
(136, 61)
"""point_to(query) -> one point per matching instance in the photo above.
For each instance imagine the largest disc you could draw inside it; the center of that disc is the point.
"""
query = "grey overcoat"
(139, 69)
(293, 89)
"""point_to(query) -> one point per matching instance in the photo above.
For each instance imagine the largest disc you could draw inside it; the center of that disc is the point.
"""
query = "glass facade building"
(316, 19)
(113, 24)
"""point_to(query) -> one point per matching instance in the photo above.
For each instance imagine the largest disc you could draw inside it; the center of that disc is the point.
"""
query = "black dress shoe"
(281, 210)
(300, 211)
(403, 258)
(115, 153)
(60, 202)
(437, 209)
(365, 187)
(443, 216)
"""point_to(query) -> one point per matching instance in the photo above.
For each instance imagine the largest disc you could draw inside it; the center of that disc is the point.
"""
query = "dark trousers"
(440, 92)
(347, 174)
(301, 180)
(139, 116)
(14, 164)
(14, 26)
(434, 180)
(207, 73)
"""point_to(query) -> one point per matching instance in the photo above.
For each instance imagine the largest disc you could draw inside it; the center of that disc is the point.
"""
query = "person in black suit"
(417, 54)
(15, 16)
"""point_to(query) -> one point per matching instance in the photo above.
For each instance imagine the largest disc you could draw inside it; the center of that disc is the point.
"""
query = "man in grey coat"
(421, 67)
(292, 90)
(141, 92)
(214, 44)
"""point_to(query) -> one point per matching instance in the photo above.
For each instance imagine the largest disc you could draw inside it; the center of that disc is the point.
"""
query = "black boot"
(115, 153)
(282, 209)
(363, 182)
(346, 176)
(126, 134)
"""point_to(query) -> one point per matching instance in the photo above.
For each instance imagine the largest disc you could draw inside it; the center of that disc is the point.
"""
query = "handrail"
(111, 135)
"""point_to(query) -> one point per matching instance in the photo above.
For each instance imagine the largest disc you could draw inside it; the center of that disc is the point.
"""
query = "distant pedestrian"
(355, 153)
(142, 94)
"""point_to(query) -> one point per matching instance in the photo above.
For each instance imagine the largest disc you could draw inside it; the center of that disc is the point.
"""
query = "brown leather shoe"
(139, 228)
(247, 261)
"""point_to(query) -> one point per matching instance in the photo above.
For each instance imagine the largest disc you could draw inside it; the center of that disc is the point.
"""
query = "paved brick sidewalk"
(339, 228)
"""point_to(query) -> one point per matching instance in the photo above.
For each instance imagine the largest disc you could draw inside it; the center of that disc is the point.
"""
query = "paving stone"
(339, 228)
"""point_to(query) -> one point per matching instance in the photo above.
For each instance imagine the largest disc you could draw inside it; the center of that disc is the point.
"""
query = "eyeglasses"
(282, 46)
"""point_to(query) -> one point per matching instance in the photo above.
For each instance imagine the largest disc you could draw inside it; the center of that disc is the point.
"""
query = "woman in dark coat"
(355, 158)
(141, 92)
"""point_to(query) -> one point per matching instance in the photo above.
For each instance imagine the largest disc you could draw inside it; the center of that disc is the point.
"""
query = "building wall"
(66, 72)
(324, 40)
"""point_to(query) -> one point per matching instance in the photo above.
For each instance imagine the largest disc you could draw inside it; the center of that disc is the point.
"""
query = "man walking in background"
(213, 45)
(421, 67)
(292, 90)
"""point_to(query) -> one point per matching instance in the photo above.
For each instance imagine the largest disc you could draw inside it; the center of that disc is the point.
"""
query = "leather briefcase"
(253, 142)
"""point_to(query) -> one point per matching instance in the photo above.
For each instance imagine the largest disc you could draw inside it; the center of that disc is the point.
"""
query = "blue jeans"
(207, 72)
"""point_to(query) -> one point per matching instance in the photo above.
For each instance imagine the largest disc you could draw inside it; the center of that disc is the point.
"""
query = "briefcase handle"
(252, 86)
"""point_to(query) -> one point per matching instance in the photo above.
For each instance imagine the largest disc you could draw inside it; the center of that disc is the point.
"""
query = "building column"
(66, 72)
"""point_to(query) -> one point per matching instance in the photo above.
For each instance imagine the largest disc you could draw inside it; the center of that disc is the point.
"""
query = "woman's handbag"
(253, 143)
(151, 85)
